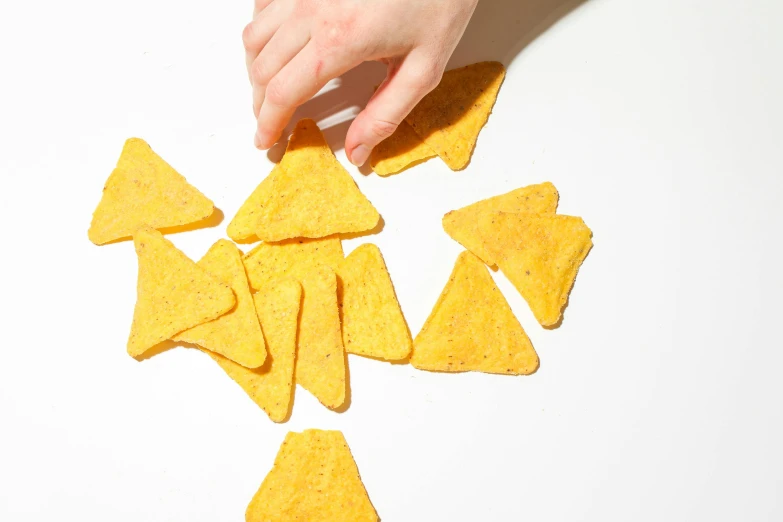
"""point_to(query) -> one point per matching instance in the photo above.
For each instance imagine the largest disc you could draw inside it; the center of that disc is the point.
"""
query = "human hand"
(294, 47)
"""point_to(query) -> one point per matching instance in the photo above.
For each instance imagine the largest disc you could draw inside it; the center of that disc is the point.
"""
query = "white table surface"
(659, 397)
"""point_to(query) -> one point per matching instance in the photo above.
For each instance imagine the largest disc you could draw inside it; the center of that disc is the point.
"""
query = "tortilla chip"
(314, 479)
(271, 386)
(236, 335)
(540, 255)
(312, 195)
(462, 224)
(450, 118)
(373, 324)
(472, 328)
(320, 358)
(144, 190)
(173, 293)
(269, 262)
(243, 226)
(401, 150)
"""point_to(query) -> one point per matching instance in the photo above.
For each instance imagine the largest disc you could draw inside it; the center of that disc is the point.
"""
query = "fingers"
(281, 49)
(403, 88)
(259, 6)
(298, 81)
(264, 25)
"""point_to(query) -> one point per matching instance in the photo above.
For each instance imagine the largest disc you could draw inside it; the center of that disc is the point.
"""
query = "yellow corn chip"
(539, 254)
(462, 224)
(373, 324)
(174, 293)
(312, 195)
(401, 150)
(320, 358)
(243, 226)
(237, 334)
(269, 262)
(144, 190)
(450, 118)
(472, 328)
(271, 386)
(314, 479)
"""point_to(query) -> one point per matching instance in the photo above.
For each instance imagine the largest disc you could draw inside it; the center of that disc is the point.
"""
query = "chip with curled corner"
(472, 328)
(462, 224)
(540, 255)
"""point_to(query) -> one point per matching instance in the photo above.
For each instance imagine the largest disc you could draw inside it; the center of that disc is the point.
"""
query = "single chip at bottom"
(472, 328)
(462, 224)
(314, 479)
(237, 334)
(540, 255)
(402, 150)
(173, 293)
(271, 386)
(373, 324)
(320, 357)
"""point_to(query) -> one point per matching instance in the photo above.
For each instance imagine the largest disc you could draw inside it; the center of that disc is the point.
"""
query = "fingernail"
(359, 155)
(257, 141)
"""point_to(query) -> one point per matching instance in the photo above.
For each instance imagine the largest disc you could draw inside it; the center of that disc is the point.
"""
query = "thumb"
(405, 85)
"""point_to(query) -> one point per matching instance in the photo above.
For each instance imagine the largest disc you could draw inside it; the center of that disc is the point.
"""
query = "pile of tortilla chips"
(446, 123)
(291, 309)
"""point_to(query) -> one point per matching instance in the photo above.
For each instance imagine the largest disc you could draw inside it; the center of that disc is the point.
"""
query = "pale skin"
(294, 47)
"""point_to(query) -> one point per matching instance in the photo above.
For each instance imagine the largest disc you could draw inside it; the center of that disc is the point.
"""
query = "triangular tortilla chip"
(271, 386)
(314, 479)
(540, 255)
(462, 224)
(173, 293)
(450, 118)
(237, 334)
(243, 226)
(269, 262)
(312, 195)
(144, 190)
(402, 150)
(472, 328)
(373, 324)
(320, 357)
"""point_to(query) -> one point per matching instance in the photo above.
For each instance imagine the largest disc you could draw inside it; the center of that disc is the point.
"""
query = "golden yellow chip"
(540, 255)
(269, 262)
(472, 328)
(271, 386)
(144, 190)
(320, 357)
(314, 479)
(243, 226)
(450, 118)
(462, 224)
(373, 324)
(174, 293)
(400, 151)
(312, 195)
(237, 334)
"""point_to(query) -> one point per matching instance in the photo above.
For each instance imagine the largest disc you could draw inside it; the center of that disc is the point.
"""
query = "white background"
(659, 397)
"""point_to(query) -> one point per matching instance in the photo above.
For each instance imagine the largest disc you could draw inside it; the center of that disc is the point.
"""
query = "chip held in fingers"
(314, 479)
(540, 255)
(402, 150)
(145, 190)
(373, 324)
(312, 195)
(271, 385)
(173, 293)
(237, 334)
(450, 118)
(472, 328)
(320, 357)
(462, 225)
